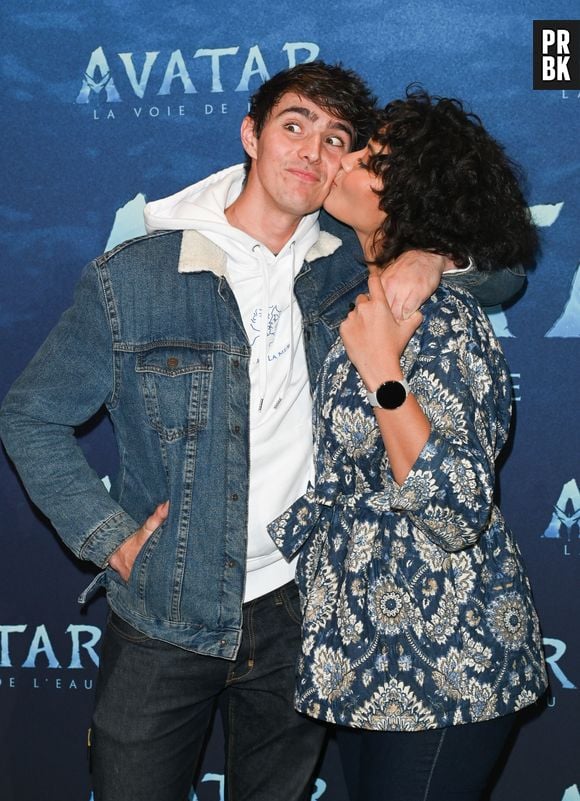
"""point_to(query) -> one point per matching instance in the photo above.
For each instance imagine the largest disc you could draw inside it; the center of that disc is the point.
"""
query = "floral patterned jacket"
(417, 609)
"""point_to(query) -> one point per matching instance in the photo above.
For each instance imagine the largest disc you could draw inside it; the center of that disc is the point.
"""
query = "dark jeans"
(451, 764)
(155, 702)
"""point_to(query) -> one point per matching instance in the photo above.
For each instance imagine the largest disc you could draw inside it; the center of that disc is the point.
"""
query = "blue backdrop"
(109, 104)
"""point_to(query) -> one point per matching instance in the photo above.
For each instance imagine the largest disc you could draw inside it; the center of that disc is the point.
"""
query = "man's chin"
(307, 208)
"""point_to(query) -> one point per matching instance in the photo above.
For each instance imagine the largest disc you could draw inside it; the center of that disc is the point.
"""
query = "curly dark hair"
(449, 187)
(337, 90)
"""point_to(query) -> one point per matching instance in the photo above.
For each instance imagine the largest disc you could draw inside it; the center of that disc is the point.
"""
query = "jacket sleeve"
(65, 384)
(461, 381)
(491, 288)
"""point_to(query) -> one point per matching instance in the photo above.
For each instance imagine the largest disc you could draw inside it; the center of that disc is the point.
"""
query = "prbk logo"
(556, 54)
(565, 523)
(117, 78)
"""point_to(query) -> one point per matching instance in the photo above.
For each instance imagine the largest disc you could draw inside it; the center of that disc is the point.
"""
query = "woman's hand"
(374, 340)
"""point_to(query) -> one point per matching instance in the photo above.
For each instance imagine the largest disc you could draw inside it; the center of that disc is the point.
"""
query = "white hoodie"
(280, 403)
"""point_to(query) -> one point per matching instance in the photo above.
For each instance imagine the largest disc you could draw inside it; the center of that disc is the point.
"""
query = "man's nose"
(311, 147)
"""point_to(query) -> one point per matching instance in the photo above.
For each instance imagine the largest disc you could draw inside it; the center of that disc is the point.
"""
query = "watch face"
(391, 395)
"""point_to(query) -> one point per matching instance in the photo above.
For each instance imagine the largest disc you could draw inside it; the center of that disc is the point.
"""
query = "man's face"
(296, 157)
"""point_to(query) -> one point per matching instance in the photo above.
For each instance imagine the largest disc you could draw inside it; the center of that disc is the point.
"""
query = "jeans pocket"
(291, 601)
(125, 630)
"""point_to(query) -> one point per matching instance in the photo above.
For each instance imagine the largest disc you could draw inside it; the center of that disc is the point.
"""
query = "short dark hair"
(335, 89)
(448, 186)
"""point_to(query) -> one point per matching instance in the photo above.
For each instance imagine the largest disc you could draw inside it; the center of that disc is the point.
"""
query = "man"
(204, 344)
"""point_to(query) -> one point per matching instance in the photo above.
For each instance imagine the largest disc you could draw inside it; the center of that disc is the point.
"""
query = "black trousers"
(155, 702)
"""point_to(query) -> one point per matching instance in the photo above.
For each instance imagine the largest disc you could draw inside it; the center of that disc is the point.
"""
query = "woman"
(419, 629)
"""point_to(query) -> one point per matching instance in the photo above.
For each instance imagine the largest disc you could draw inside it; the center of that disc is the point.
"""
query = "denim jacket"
(167, 354)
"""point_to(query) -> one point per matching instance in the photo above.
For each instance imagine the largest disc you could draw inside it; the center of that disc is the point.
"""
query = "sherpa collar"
(199, 254)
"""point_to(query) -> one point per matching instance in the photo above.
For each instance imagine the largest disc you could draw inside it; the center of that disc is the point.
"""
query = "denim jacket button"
(172, 361)
(231, 563)
(235, 496)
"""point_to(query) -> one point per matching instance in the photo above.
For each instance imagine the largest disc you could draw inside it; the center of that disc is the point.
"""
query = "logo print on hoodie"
(274, 314)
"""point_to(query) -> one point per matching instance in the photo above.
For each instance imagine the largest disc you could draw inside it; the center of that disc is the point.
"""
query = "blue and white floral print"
(417, 609)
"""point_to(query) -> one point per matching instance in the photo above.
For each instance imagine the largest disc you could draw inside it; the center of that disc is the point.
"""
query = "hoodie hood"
(201, 207)
(203, 202)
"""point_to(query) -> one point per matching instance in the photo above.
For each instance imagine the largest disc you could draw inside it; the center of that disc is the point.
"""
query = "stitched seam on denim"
(183, 540)
(142, 347)
(108, 255)
(128, 637)
(137, 579)
(314, 315)
(435, 758)
(251, 649)
(113, 321)
(288, 606)
(96, 531)
(230, 784)
(342, 290)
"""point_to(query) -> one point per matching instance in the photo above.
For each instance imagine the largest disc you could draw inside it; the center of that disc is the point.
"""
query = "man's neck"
(271, 229)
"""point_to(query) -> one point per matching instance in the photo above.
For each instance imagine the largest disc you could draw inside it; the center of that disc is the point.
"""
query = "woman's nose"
(349, 160)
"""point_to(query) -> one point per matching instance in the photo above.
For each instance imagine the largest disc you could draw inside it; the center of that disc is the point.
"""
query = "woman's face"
(353, 198)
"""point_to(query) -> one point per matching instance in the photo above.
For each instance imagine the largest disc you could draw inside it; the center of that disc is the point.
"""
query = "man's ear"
(248, 137)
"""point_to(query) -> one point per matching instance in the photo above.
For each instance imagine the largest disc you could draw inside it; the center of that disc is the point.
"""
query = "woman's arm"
(374, 342)
(451, 426)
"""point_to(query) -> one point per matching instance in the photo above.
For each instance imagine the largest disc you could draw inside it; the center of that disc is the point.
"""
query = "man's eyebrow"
(311, 115)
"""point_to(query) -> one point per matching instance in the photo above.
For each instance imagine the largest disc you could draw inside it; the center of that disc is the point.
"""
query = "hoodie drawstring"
(263, 356)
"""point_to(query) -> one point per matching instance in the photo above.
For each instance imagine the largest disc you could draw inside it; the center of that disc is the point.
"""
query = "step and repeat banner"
(108, 105)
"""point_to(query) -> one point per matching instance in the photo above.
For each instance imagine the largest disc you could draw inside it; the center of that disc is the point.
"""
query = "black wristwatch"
(390, 394)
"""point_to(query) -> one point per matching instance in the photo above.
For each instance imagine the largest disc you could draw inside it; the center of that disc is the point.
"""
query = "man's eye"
(293, 127)
(336, 141)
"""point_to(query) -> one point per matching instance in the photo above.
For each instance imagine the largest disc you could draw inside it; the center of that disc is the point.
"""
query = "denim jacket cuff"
(470, 267)
(107, 537)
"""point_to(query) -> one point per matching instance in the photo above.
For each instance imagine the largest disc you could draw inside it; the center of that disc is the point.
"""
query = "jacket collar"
(199, 254)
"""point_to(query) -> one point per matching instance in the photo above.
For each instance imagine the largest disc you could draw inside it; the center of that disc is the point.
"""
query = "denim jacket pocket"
(137, 581)
(175, 384)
